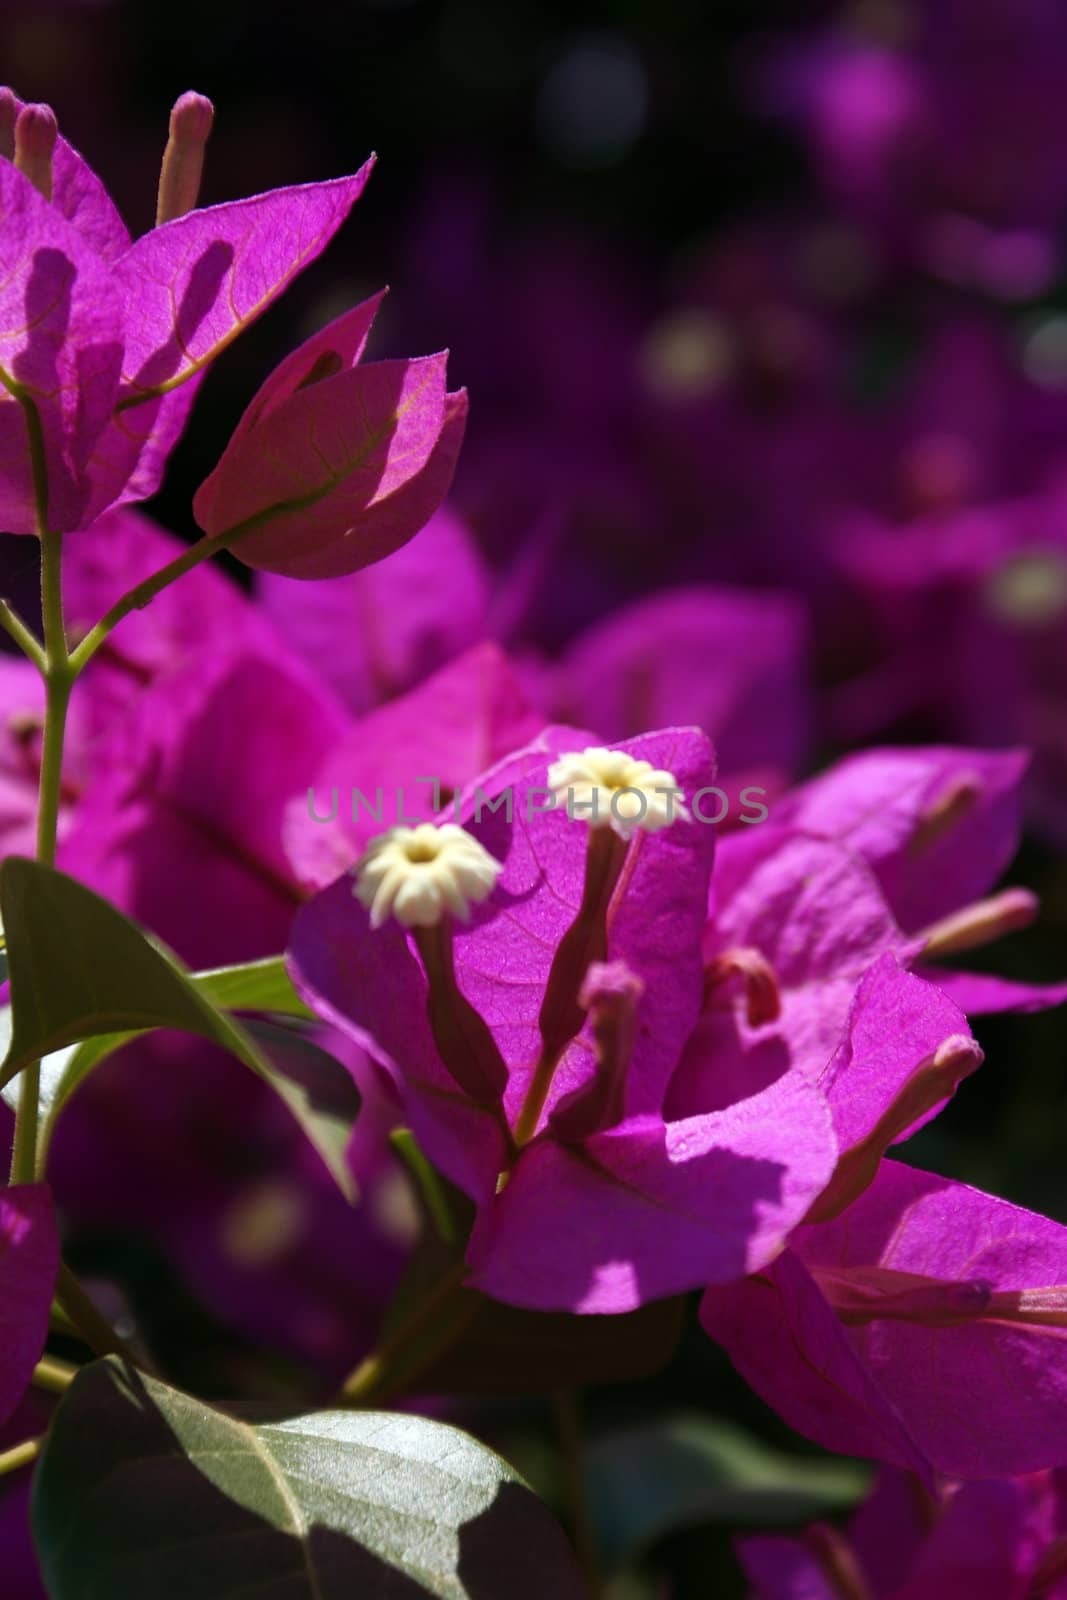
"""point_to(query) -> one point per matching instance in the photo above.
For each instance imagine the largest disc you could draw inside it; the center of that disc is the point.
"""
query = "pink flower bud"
(335, 465)
(35, 140)
(183, 159)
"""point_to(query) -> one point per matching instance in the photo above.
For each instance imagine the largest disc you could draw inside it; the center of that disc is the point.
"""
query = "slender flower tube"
(980, 924)
(423, 877)
(617, 796)
(35, 143)
(183, 159)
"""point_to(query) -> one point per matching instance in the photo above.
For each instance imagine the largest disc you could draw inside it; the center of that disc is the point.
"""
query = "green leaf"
(644, 1482)
(142, 1490)
(253, 986)
(82, 975)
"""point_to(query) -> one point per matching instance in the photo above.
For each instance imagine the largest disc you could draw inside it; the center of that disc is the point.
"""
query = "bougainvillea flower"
(937, 826)
(794, 923)
(107, 339)
(577, 999)
(801, 908)
(335, 465)
(406, 759)
(434, 593)
(29, 1260)
(729, 661)
(993, 1540)
(923, 1327)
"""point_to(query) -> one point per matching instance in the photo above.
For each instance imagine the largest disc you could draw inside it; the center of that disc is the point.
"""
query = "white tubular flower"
(417, 874)
(610, 789)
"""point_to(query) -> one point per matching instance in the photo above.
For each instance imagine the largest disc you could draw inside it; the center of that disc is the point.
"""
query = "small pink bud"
(9, 110)
(35, 140)
(183, 160)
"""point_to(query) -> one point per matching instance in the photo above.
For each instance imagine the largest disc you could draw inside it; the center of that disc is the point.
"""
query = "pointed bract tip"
(35, 140)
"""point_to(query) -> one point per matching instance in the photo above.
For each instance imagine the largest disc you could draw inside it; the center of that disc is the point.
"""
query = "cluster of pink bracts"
(656, 1059)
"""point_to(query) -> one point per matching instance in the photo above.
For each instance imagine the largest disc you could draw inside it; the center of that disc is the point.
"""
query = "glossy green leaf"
(680, 1471)
(252, 986)
(84, 980)
(144, 1491)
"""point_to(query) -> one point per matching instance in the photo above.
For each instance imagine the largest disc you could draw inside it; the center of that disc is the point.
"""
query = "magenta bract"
(640, 1209)
(106, 339)
(334, 465)
(382, 630)
(29, 1260)
(876, 1333)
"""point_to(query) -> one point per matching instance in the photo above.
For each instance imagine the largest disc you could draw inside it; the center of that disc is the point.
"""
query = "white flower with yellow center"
(610, 789)
(417, 874)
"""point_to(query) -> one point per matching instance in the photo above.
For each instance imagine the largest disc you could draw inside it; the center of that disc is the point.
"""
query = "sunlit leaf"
(143, 1490)
(84, 976)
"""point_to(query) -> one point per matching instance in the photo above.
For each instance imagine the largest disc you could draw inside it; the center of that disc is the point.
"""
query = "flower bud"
(334, 464)
(610, 994)
(183, 159)
(35, 140)
(933, 1081)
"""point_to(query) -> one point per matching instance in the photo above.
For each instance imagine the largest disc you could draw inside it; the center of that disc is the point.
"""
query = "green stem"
(21, 1455)
(30, 646)
(140, 595)
(58, 680)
